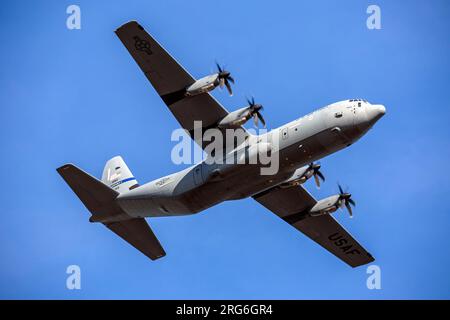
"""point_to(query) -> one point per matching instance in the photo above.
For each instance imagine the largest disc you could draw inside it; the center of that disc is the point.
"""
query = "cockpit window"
(358, 100)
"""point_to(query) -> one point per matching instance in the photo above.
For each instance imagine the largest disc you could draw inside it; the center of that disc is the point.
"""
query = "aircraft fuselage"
(300, 142)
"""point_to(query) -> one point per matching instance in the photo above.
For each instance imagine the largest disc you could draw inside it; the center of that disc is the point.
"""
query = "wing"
(292, 205)
(170, 80)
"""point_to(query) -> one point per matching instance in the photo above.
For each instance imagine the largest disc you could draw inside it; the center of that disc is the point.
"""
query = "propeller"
(224, 78)
(254, 111)
(315, 167)
(345, 199)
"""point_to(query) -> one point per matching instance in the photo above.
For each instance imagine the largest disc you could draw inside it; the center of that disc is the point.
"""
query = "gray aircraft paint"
(307, 139)
(121, 204)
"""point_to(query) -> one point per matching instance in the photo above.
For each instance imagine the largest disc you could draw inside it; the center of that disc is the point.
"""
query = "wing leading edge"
(292, 205)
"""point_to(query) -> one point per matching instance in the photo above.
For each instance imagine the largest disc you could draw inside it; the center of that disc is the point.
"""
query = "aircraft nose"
(381, 109)
(375, 112)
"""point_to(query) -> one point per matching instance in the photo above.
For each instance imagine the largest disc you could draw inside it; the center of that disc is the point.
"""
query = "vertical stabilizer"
(117, 176)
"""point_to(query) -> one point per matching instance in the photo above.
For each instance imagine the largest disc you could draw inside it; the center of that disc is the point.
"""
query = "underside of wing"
(293, 205)
(170, 81)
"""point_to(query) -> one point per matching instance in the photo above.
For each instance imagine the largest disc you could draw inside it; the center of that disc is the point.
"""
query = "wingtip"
(366, 262)
(129, 23)
(161, 255)
(64, 167)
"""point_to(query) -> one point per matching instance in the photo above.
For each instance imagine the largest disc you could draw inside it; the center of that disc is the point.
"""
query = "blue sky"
(77, 96)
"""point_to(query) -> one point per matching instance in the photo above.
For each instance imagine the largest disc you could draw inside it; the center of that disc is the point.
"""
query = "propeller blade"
(352, 202)
(259, 115)
(253, 111)
(218, 67)
(317, 172)
(229, 78)
(316, 179)
(349, 208)
(227, 84)
(346, 199)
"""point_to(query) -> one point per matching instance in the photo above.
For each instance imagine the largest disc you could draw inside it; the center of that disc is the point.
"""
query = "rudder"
(118, 176)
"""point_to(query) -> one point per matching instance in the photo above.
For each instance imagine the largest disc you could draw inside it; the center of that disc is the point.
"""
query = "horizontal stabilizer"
(95, 195)
(139, 234)
(99, 199)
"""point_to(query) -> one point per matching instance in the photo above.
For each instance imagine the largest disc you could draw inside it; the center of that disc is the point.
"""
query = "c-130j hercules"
(121, 204)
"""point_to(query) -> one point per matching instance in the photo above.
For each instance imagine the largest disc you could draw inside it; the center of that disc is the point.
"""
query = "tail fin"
(99, 199)
(117, 176)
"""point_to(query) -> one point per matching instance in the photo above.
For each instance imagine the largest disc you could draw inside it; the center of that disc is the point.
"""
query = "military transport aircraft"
(121, 204)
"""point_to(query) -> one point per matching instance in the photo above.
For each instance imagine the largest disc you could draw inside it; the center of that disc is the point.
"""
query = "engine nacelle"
(235, 119)
(203, 85)
(303, 174)
(325, 206)
(300, 176)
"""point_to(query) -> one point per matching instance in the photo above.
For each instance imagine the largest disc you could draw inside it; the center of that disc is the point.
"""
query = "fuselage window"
(338, 114)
